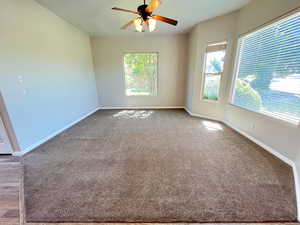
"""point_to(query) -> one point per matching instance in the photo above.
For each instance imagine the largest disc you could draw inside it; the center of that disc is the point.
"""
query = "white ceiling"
(97, 18)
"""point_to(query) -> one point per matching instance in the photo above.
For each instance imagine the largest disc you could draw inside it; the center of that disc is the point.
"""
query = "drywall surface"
(216, 30)
(281, 136)
(46, 71)
(259, 12)
(109, 67)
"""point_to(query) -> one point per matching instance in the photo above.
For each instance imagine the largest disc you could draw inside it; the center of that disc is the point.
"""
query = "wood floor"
(11, 196)
(9, 190)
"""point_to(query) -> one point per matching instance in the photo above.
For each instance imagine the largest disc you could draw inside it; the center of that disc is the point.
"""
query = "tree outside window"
(141, 74)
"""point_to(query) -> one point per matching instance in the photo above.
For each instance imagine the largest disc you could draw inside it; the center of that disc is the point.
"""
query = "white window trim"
(124, 74)
(204, 73)
(294, 123)
(270, 116)
(235, 71)
(203, 82)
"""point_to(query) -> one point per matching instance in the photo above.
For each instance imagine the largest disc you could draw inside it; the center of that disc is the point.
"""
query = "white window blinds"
(268, 70)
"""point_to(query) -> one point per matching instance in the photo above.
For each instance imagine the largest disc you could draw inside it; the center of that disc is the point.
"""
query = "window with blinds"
(214, 65)
(268, 70)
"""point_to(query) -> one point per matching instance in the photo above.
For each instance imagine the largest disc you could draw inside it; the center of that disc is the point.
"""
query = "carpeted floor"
(155, 166)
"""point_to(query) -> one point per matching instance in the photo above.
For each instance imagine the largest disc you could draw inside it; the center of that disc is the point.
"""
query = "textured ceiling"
(97, 18)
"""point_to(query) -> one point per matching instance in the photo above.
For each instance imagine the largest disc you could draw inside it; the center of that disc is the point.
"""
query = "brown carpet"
(155, 166)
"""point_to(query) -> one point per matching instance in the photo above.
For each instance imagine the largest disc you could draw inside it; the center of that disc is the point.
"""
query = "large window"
(214, 66)
(268, 70)
(141, 74)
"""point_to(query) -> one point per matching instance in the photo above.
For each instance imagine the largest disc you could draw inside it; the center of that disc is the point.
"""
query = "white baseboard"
(201, 116)
(42, 141)
(141, 107)
(278, 155)
(261, 144)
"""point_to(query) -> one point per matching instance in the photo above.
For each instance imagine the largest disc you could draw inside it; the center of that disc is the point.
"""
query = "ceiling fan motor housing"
(146, 17)
(143, 13)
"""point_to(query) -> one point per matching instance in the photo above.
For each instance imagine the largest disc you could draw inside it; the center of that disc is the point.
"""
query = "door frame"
(8, 126)
(5, 142)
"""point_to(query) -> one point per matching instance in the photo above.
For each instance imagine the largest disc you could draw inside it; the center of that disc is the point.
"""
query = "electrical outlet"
(253, 126)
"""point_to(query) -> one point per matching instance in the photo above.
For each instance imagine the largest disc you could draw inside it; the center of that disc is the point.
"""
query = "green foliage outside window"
(141, 74)
(212, 76)
(212, 87)
(246, 96)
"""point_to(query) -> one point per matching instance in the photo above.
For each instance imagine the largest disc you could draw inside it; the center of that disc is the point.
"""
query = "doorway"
(5, 145)
(8, 140)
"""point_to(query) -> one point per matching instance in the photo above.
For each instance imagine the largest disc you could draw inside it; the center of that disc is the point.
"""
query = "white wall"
(46, 71)
(108, 60)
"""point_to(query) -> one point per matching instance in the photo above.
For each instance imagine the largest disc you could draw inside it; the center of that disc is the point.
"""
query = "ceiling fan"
(145, 17)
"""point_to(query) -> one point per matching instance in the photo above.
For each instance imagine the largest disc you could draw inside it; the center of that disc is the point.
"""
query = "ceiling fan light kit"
(152, 24)
(138, 23)
(145, 17)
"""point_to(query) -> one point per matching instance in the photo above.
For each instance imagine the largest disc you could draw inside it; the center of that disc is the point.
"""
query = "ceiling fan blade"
(128, 24)
(125, 10)
(154, 4)
(165, 19)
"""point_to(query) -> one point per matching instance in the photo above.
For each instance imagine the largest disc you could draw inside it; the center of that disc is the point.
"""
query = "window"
(268, 70)
(141, 74)
(214, 66)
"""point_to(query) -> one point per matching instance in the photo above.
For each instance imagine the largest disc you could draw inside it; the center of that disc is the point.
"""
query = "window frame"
(224, 42)
(157, 74)
(237, 62)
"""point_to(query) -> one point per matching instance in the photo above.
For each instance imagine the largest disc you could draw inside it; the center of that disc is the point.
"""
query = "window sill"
(210, 101)
(270, 116)
(140, 96)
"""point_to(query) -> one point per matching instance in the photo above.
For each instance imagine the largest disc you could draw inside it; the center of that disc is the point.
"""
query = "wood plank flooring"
(11, 197)
(160, 224)
(10, 174)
